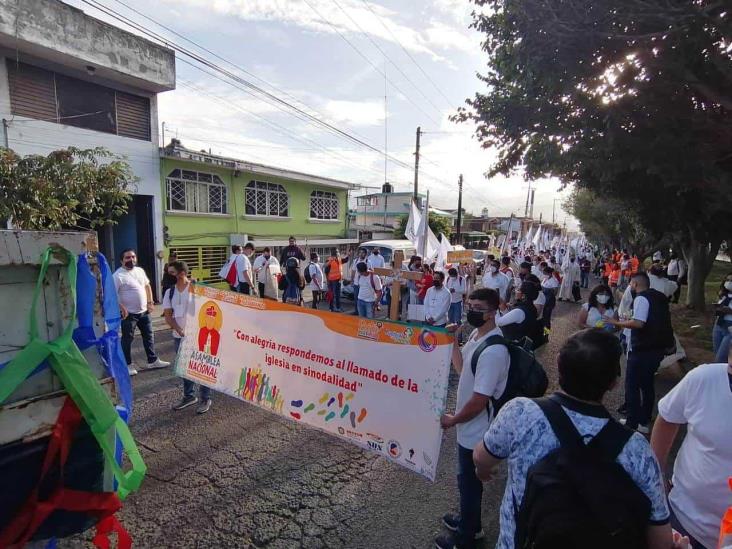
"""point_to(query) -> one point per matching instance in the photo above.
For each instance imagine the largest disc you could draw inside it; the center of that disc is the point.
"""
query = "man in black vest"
(651, 335)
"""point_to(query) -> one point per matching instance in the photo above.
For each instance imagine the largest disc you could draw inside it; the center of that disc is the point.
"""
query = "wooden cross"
(396, 286)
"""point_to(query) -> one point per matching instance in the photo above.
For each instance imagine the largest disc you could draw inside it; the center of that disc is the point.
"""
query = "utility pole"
(460, 210)
(416, 165)
(528, 196)
(554, 209)
(531, 210)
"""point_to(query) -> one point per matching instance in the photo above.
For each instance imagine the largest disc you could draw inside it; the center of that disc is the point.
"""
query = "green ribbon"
(73, 370)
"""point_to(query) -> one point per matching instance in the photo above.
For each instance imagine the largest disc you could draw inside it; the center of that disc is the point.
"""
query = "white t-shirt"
(262, 266)
(457, 284)
(664, 285)
(550, 283)
(437, 304)
(498, 282)
(130, 285)
(316, 277)
(514, 316)
(491, 374)
(244, 265)
(367, 290)
(700, 495)
(595, 319)
(182, 305)
(673, 268)
(375, 261)
(540, 302)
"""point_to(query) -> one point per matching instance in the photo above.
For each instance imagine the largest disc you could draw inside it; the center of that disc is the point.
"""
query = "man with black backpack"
(473, 412)
(576, 478)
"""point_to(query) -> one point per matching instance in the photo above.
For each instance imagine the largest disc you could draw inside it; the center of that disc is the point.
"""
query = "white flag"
(444, 247)
(411, 232)
(537, 238)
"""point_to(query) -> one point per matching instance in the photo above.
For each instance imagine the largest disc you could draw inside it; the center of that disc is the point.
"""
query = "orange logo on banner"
(210, 319)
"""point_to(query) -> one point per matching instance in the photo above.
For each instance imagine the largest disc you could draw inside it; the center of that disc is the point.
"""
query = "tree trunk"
(699, 258)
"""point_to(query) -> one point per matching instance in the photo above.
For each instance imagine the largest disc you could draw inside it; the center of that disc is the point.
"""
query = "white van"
(386, 249)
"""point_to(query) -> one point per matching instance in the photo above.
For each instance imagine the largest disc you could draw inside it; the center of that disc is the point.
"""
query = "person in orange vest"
(634, 264)
(335, 276)
(607, 270)
(614, 278)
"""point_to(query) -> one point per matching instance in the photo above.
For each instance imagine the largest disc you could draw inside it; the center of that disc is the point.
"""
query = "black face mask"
(475, 318)
(437, 284)
(633, 293)
(129, 264)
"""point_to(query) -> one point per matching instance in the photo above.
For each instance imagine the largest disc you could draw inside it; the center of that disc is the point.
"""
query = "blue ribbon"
(109, 346)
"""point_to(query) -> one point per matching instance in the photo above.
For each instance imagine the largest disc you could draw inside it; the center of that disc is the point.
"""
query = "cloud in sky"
(288, 44)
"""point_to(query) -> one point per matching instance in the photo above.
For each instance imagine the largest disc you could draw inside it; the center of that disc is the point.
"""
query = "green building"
(212, 202)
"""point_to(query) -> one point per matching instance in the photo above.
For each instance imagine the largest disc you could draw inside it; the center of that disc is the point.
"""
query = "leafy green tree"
(438, 224)
(629, 98)
(612, 221)
(91, 186)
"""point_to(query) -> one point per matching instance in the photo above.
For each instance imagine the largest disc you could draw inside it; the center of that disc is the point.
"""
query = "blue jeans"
(355, 293)
(189, 387)
(551, 301)
(471, 495)
(455, 313)
(721, 339)
(640, 390)
(365, 308)
(584, 279)
(143, 322)
(335, 287)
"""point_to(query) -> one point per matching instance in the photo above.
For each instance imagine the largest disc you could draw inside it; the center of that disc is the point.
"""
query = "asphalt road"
(242, 477)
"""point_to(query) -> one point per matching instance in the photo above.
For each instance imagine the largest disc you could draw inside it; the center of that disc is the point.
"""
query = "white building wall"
(30, 136)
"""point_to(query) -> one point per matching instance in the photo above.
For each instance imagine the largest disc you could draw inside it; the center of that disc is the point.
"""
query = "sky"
(337, 60)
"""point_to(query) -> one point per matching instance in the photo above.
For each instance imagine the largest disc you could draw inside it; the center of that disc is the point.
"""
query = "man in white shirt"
(474, 412)
(360, 258)
(134, 294)
(177, 305)
(674, 272)
(244, 270)
(232, 270)
(262, 267)
(456, 284)
(437, 301)
(317, 281)
(699, 493)
(369, 292)
(495, 280)
(375, 260)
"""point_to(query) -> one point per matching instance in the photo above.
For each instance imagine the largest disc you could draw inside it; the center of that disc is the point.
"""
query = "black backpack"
(308, 276)
(578, 495)
(526, 377)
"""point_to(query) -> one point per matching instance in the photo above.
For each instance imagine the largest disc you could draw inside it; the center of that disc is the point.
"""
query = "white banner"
(380, 385)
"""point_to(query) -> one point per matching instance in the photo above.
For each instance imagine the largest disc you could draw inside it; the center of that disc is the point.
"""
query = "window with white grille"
(197, 192)
(270, 199)
(323, 205)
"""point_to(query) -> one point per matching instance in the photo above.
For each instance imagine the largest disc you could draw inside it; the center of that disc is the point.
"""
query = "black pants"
(316, 298)
(144, 323)
(260, 287)
(244, 288)
(677, 293)
(551, 301)
(640, 390)
(471, 495)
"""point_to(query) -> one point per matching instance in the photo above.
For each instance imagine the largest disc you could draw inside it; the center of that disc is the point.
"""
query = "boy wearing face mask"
(473, 413)
(496, 280)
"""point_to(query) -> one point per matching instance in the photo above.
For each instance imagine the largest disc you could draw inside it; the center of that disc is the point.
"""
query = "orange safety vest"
(635, 263)
(725, 532)
(335, 270)
(608, 269)
(615, 277)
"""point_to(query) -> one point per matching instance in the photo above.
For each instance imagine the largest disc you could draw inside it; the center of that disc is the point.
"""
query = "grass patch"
(694, 328)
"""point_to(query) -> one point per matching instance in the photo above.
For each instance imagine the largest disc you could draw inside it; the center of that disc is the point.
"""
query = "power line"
(376, 45)
(376, 68)
(311, 118)
(427, 76)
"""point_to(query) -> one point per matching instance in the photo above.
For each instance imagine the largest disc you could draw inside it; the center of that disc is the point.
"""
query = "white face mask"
(728, 285)
(494, 270)
(603, 299)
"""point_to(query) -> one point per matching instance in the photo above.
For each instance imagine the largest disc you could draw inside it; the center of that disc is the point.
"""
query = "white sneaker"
(643, 429)
(157, 365)
(131, 369)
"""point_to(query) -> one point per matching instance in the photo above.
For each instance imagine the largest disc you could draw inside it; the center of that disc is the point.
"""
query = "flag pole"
(425, 236)
(508, 234)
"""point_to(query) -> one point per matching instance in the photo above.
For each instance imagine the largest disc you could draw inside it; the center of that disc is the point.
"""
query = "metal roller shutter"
(133, 116)
(32, 91)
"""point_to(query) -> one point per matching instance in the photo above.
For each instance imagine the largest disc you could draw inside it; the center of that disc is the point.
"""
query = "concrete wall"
(30, 136)
(52, 30)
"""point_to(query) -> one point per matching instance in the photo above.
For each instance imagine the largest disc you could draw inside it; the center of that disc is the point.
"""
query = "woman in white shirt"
(599, 307)
(549, 285)
(456, 285)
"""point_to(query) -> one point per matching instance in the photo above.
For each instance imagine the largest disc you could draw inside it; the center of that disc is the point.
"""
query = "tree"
(438, 224)
(631, 99)
(613, 221)
(91, 186)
